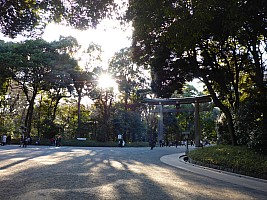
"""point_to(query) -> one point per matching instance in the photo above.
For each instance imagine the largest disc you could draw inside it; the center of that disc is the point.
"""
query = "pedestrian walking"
(52, 141)
(4, 140)
(160, 143)
(8, 139)
(21, 141)
(176, 143)
(59, 140)
(25, 142)
(152, 144)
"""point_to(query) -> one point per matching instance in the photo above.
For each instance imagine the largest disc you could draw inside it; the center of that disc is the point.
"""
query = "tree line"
(42, 87)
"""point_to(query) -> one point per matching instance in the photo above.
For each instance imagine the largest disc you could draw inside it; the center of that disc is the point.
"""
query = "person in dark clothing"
(59, 140)
(152, 144)
(8, 139)
(176, 143)
(160, 143)
(25, 142)
(21, 142)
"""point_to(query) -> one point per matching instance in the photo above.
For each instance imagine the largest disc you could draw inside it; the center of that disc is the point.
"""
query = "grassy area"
(232, 158)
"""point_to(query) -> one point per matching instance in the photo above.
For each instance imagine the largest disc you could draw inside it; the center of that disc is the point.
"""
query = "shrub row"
(236, 159)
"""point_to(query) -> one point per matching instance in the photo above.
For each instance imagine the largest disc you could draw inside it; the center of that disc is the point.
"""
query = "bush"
(249, 126)
(238, 159)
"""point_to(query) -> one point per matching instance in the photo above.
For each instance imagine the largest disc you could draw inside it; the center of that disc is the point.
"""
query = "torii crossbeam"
(178, 101)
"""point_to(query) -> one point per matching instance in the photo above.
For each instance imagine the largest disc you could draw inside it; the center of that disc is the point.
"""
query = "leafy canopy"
(30, 17)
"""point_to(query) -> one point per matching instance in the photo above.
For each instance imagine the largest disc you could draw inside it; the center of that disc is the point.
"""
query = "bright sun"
(106, 81)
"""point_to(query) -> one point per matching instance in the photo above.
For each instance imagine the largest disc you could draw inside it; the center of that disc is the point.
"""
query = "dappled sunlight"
(174, 185)
(99, 192)
(25, 156)
(107, 189)
(51, 159)
(161, 175)
(83, 151)
(117, 165)
(98, 168)
(133, 187)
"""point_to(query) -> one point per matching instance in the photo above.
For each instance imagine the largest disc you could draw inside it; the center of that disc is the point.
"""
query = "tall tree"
(6, 75)
(131, 78)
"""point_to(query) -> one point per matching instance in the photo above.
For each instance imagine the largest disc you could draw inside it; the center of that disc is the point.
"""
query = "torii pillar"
(197, 125)
(160, 122)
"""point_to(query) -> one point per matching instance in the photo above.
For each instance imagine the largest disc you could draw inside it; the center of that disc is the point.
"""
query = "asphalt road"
(107, 173)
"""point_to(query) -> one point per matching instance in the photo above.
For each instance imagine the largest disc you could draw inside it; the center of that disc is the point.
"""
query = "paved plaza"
(68, 173)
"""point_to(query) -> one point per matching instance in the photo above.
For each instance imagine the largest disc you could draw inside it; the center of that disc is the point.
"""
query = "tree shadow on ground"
(104, 173)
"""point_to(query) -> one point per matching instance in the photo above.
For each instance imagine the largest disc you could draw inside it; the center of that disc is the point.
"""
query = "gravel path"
(105, 173)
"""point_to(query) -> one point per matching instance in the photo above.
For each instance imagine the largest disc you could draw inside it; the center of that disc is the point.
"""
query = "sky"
(109, 35)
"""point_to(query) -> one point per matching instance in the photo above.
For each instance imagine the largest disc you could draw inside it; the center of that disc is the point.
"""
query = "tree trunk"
(224, 109)
(29, 115)
(55, 109)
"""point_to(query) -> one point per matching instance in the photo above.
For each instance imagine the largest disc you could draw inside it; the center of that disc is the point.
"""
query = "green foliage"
(185, 119)
(171, 129)
(168, 73)
(30, 17)
(36, 67)
(131, 78)
(208, 123)
(128, 123)
(134, 127)
(5, 71)
(48, 129)
(239, 159)
(249, 126)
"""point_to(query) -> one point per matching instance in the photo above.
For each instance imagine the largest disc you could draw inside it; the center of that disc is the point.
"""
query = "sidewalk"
(175, 160)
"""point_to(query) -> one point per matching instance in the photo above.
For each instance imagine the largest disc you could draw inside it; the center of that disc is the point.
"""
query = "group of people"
(24, 141)
(5, 139)
(176, 143)
(56, 141)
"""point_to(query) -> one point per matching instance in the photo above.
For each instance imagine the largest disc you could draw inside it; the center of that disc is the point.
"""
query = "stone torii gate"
(177, 101)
